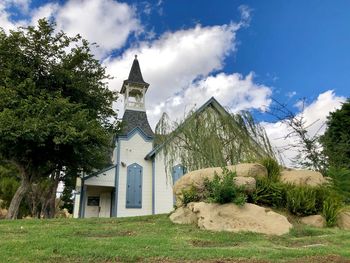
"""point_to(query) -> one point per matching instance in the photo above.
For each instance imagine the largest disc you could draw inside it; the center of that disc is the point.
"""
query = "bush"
(273, 169)
(190, 195)
(302, 200)
(223, 189)
(331, 208)
(270, 193)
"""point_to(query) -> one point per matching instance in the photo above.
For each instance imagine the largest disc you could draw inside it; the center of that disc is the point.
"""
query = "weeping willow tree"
(211, 138)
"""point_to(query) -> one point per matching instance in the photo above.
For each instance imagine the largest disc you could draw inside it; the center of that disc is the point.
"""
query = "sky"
(244, 53)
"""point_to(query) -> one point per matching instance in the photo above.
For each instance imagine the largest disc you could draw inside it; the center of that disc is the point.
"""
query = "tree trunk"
(52, 201)
(17, 198)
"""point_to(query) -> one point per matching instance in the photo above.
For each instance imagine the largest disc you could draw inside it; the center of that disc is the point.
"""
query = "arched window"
(134, 186)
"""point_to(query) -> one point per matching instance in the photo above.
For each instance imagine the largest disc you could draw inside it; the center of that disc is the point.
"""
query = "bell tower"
(134, 89)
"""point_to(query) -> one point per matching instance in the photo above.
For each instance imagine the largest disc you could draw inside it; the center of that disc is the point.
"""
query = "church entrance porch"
(98, 201)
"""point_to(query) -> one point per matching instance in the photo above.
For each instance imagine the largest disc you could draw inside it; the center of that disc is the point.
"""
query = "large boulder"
(197, 178)
(248, 183)
(233, 218)
(314, 220)
(343, 221)
(302, 177)
(183, 215)
(3, 213)
(64, 213)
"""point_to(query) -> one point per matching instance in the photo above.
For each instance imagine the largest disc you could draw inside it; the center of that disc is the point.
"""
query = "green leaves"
(340, 181)
(336, 139)
(55, 106)
(222, 189)
(212, 138)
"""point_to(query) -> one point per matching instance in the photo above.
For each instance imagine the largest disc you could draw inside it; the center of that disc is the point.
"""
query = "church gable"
(212, 106)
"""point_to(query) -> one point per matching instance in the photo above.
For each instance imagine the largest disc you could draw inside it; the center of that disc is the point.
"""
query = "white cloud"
(45, 11)
(106, 22)
(234, 91)
(317, 111)
(182, 68)
(245, 14)
(5, 17)
(174, 61)
(291, 94)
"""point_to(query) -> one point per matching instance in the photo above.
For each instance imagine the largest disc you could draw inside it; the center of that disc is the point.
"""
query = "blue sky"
(301, 46)
(242, 52)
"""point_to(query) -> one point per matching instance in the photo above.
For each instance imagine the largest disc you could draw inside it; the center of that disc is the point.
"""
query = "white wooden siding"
(132, 151)
(164, 198)
(104, 179)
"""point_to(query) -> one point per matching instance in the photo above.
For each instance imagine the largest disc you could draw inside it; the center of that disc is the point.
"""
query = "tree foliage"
(55, 106)
(212, 138)
(336, 139)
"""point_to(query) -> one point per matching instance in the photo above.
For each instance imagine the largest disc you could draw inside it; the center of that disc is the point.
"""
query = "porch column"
(82, 200)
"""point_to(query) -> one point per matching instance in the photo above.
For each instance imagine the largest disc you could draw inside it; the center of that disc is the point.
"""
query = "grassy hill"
(155, 238)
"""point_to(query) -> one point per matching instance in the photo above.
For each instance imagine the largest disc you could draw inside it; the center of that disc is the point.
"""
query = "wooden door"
(93, 206)
(105, 205)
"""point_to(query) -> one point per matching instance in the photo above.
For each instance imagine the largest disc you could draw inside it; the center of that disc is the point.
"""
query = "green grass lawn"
(155, 238)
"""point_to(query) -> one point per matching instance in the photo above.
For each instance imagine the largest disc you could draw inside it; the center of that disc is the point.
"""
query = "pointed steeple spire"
(135, 76)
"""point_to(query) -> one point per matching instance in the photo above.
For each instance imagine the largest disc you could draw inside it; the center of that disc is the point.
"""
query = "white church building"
(136, 184)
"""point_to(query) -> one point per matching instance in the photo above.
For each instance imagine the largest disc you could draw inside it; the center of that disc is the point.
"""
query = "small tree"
(310, 154)
(55, 107)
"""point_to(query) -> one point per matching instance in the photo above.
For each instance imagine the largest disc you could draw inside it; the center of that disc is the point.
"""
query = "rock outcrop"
(246, 174)
(302, 177)
(248, 183)
(183, 215)
(63, 214)
(314, 220)
(3, 213)
(233, 218)
(343, 221)
(197, 178)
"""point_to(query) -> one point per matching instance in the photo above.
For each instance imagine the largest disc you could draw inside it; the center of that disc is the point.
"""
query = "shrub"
(190, 195)
(223, 189)
(331, 208)
(273, 169)
(302, 200)
(240, 199)
(270, 193)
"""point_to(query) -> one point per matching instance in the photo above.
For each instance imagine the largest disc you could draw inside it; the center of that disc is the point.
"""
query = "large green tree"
(55, 107)
(336, 139)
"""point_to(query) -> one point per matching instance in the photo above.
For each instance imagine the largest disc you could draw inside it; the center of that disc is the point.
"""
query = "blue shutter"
(134, 186)
(178, 172)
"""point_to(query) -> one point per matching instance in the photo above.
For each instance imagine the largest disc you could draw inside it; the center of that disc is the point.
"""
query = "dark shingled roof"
(135, 76)
(133, 119)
